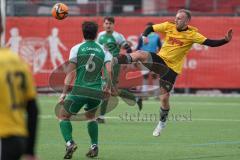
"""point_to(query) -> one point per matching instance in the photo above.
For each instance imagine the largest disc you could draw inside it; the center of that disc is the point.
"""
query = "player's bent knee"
(64, 115)
(165, 86)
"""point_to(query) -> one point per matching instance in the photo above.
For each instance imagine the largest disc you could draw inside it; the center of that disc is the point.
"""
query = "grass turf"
(199, 128)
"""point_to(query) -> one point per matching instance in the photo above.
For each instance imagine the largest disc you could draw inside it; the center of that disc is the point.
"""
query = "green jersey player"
(87, 60)
(113, 41)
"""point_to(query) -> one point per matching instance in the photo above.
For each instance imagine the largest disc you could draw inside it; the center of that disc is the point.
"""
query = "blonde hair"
(187, 12)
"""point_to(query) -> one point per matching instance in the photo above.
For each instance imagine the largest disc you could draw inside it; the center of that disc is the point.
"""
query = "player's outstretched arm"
(220, 42)
(70, 75)
(109, 88)
(108, 76)
(146, 32)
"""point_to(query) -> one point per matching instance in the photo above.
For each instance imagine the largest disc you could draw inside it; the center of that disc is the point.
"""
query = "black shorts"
(12, 148)
(167, 75)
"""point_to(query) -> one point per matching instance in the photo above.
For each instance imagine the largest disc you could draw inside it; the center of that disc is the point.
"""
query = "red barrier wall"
(204, 68)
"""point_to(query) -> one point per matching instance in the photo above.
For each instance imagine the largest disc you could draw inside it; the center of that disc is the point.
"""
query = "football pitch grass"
(199, 128)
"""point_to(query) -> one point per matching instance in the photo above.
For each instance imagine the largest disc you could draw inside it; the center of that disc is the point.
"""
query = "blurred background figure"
(54, 44)
(14, 40)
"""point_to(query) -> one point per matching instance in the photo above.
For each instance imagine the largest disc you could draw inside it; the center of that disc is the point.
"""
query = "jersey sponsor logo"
(90, 49)
(112, 47)
(109, 41)
(173, 41)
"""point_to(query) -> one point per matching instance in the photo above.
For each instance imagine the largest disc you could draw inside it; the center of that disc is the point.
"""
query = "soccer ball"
(60, 11)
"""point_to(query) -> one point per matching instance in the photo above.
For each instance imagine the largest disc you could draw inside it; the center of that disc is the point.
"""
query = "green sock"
(66, 130)
(93, 131)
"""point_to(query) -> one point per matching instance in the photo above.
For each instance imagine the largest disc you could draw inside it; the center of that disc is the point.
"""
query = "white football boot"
(157, 131)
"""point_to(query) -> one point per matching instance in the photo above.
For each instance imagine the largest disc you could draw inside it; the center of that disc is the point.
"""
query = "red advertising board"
(45, 43)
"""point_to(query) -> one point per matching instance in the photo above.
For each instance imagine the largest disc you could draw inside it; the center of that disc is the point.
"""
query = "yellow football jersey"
(16, 85)
(177, 44)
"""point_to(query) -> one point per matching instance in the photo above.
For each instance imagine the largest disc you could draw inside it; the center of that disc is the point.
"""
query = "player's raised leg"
(142, 56)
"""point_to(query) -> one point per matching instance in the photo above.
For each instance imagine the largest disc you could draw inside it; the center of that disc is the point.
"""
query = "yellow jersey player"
(17, 98)
(168, 63)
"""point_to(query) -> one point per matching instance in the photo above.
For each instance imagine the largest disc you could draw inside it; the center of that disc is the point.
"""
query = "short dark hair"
(187, 12)
(89, 29)
(110, 19)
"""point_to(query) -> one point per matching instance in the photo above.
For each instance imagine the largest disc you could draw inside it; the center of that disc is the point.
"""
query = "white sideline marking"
(174, 102)
(215, 143)
(48, 116)
(216, 120)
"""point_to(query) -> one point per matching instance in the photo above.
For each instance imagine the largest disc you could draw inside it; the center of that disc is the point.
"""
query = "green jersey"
(112, 42)
(90, 58)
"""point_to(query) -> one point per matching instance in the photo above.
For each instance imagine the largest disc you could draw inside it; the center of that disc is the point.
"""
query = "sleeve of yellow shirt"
(199, 38)
(162, 27)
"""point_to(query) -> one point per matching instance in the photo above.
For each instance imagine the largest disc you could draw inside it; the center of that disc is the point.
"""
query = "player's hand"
(228, 36)
(145, 40)
(61, 98)
(30, 157)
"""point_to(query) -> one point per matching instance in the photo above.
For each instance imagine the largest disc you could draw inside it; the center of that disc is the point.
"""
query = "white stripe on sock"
(91, 120)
